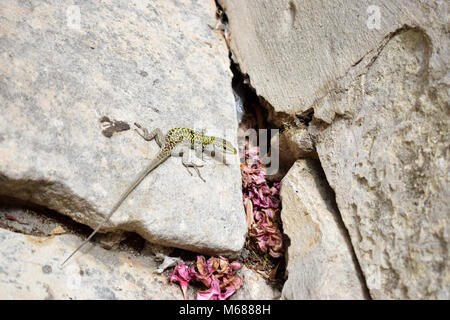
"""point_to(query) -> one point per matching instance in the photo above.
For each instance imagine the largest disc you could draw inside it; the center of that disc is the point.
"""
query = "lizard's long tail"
(136, 182)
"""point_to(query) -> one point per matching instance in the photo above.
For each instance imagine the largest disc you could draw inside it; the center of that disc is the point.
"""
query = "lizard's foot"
(149, 136)
(187, 168)
(198, 172)
(189, 159)
(195, 166)
(144, 134)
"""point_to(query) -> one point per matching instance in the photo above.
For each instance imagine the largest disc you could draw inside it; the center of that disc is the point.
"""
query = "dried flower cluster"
(262, 205)
(216, 273)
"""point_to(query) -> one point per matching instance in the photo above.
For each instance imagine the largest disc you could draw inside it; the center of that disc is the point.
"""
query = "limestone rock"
(30, 269)
(296, 51)
(381, 121)
(320, 260)
(388, 165)
(63, 68)
(293, 144)
(255, 287)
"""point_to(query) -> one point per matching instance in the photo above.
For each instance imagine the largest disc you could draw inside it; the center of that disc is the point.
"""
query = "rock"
(380, 124)
(388, 165)
(293, 144)
(296, 51)
(320, 259)
(26, 220)
(111, 240)
(297, 144)
(67, 72)
(255, 287)
(58, 230)
(30, 269)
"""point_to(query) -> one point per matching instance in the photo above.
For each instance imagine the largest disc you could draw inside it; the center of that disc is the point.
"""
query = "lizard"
(177, 142)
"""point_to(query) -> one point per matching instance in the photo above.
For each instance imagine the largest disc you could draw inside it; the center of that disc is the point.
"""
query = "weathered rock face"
(388, 164)
(62, 68)
(255, 287)
(32, 244)
(293, 144)
(380, 126)
(30, 269)
(295, 51)
(320, 262)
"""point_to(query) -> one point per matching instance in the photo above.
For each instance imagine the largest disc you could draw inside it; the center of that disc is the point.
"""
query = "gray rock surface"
(380, 125)
(320, 259)
(388, 163)
(295, 51)
(158, 64)
(293, 144)
(255, 287)
(30, 269)
(33, 243)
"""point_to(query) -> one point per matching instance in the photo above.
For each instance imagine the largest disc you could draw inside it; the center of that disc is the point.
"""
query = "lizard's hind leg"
(197, 170)
(188, 164)
(155, 134)
(187, 160)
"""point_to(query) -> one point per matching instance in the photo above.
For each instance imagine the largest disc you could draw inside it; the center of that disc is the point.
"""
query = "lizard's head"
(224, 146)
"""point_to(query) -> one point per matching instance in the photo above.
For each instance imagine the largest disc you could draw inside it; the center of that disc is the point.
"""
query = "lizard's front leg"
(155, 134)
(188, 160)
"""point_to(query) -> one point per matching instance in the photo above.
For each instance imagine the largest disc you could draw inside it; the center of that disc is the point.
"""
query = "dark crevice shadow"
(24, 217)
(37, 217)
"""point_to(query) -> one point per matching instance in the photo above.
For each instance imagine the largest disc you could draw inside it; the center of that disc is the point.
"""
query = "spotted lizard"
(177, 142)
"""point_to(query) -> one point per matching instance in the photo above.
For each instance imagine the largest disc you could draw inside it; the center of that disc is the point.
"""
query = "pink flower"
(216, 273)
(236, 265)
(215, 292)
(182, 274)
(261, 204)
(212, 293)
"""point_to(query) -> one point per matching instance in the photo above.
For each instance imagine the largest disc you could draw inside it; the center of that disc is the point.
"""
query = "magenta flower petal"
(181, 274)
(265, 201)
(236, 265)
(229, 292)
(212, 293)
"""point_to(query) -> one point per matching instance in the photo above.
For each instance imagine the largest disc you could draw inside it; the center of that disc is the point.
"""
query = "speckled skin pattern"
(191, 137)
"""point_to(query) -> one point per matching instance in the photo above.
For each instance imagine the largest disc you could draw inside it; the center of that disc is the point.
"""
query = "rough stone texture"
(30, 269)
(294, 51)
(158, 64)
(30, 261)
(320, 260)
(293, 144)
(381, 119)
(255, 287)
(388, 163)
